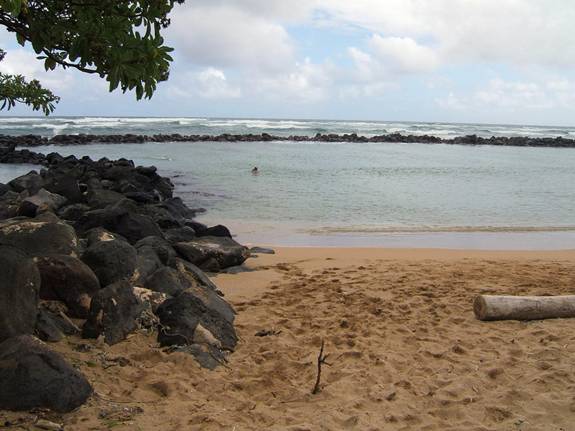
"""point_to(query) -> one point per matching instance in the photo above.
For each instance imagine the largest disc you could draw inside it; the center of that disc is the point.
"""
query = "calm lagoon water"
(396, 195)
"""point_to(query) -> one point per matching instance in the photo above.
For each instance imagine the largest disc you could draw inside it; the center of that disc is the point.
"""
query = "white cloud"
(451, 102)
(306, 82)
(504, 94)
(403, 54)
(499, 94)
(222, 36)
(209, 83)
(23, 62)
(509, 31)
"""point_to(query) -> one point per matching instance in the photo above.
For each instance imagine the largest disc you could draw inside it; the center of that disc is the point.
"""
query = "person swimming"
(255, 170)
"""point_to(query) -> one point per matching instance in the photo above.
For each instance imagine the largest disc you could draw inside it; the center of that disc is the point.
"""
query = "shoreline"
(265, 233)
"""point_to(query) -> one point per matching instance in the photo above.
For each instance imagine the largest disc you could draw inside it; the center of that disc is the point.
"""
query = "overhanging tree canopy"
(118, 40)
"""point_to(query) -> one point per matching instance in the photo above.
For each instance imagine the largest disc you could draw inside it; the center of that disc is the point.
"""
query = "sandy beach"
(405, 350)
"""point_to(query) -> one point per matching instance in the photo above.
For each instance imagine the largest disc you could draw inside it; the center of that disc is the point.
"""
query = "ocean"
(351, 194)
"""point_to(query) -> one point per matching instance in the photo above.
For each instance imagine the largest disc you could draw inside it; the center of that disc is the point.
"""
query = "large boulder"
(32, 182)
(32, 376)
(101, 198)
(180, 317)
(195, 275)
(160, 246)
(167, 280)
(111, 261)
(134, 227)
(64, 182)
(9, 204)
(40, 238)
(113, 313)
(213, 253)
(68, 279)
(182, 234)
(218, 230)
(73, 212)
(53, 327)
(19, 287)
(41, 202)
(4, 189)
(122, 218)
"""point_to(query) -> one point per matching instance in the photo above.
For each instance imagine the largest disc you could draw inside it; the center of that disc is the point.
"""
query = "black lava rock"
(111, 261)
(68, 279)
(32, 376)
(19, 288)
(113, 313)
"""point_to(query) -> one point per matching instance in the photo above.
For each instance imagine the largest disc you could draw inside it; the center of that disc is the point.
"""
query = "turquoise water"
(371, 194)
(396, 195)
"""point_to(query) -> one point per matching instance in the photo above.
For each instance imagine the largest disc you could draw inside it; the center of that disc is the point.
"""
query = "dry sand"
(405, 350)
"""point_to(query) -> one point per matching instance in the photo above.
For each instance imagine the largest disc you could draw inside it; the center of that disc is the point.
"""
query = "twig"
(321, 359)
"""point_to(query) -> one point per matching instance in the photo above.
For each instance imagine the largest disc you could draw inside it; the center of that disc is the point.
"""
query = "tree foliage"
(118, 40)
(15, 89)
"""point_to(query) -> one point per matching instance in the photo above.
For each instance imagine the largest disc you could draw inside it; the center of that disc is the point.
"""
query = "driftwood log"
(491, 307)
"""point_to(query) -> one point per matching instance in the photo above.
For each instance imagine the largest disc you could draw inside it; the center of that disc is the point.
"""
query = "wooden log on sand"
(495, 307)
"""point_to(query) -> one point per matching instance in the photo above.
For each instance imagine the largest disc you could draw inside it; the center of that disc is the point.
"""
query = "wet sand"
(405, 350)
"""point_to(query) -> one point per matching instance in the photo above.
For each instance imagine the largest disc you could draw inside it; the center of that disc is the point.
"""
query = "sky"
(480, 61)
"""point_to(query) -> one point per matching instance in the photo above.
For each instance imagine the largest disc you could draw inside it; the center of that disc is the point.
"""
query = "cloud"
(209, 83)
(226, 36)
(505, 94)
(451, 102)
(500, 94)
(508, 31)
(403, 54)
(23, 62)
(306, 82)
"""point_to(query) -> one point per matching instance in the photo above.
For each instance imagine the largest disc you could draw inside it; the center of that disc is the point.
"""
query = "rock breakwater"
(84, 139)
(101, 249)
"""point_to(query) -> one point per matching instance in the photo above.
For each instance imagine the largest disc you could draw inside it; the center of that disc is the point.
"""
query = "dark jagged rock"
(68, 279)
(32, 182)
(180, 317)
(196, 226)
(25, 156)
(32, 376)
(100, 198)
(121, 212)
(41, 202)
(142, 197)
(153, 254)
(64, 183)
(218, 230)
(121, 218)
(148, 262)
(113, 313)
(52, 327)
(39, 238)
(99, 234)
(161, 247)
(213, 253)
(195, 275)
(4, 189)
(9, 204)
(167, 280)
(19, 288)
(73, 212)
(180, 234)
(111, 261)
